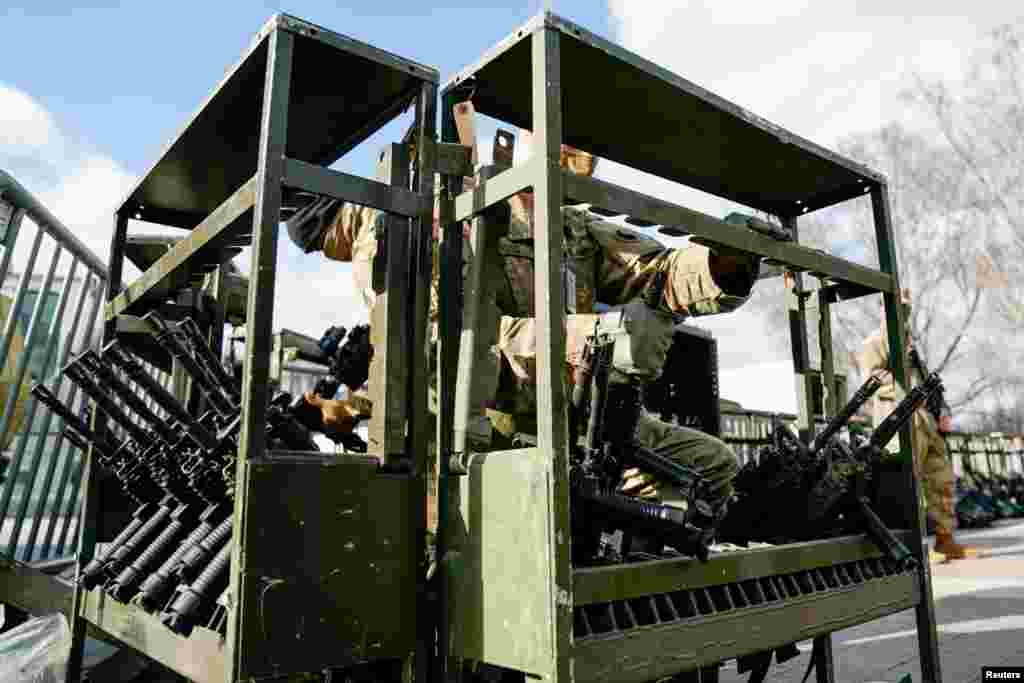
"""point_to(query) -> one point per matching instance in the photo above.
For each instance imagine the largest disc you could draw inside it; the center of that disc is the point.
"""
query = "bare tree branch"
(960, 333)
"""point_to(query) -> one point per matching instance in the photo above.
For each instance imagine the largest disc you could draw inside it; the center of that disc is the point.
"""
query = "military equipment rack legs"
(299, 99)
(638, 622)
(306, 529)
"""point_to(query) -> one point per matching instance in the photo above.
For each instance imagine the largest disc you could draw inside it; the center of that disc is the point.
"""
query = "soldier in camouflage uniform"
(933, 467)
(612, 265)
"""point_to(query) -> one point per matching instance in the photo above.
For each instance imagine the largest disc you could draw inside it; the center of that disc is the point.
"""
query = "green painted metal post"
(805, 380)
(549, 305)
(420, 425)
(447, 353)
(927, 638)
(259, 322)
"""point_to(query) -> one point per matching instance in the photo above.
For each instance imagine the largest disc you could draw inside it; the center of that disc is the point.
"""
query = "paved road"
(979, 606)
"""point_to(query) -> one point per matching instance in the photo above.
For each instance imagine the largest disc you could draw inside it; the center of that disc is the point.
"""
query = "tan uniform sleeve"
(351, 237)
(874, 354)
(517, 341)
(874, 358)
(630, 260)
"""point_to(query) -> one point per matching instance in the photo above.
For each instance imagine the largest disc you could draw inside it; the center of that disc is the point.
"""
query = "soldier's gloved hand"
(339, 417)
(637, 483)
(642, 339)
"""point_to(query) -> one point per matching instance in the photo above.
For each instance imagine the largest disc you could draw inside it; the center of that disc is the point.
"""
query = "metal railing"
(748, 430)
(997, 453)
(51, 315)
(989, 452)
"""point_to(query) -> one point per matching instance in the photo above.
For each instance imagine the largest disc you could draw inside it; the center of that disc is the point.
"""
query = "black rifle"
(608, 449)
(799, 493)
(349, 364)
(134, 468)
(936, 403)
(841, 490)
(780, 475)
(856, 402)
(179, 469)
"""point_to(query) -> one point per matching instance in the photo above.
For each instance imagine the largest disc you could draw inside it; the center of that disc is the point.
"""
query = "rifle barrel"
(202, 436)
(895, 420)
(866, 391)
(103, 401)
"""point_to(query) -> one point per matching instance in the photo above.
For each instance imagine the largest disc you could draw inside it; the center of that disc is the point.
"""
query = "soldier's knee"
(726, 457)
(721, 467)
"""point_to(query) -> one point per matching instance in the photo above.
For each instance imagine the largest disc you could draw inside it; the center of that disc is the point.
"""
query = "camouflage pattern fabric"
(708, 455)
(605, 263)
(931, 463)
(935, 472)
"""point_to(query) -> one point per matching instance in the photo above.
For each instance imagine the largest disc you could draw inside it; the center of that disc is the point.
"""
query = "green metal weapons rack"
(510, 516)
(307, 529)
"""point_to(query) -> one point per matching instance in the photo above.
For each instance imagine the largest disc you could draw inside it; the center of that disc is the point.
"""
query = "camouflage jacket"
(609, 263)
(873, 358)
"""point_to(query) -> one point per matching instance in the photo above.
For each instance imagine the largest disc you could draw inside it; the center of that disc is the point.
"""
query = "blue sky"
(125, 76)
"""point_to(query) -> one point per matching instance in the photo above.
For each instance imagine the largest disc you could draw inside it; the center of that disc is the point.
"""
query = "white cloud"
(79, 186)
(821, 70)
(314, 301)
(763, 386)
(86, 199)
(24, 123)
(745, 13)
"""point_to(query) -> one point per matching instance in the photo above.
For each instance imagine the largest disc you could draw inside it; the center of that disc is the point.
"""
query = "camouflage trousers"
(711, 457)
(935, 472)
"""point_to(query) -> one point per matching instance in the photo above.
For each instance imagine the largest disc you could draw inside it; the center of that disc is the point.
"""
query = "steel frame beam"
(390, 369)
(200, 657)
(492, 189)
(546, 34)
(704, 640)
(216, 229)
(623, 201)
(625, 582)
(324, 181)
(261, 195)
(32, 590)
(927, 636)
(552, 418)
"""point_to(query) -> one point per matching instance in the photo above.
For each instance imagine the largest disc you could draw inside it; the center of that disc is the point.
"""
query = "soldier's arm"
(699, 281)
(874, 354)
(517, 342)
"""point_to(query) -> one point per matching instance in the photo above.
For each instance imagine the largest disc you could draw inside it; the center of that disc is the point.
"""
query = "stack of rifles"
(800, 492)
(173, 557)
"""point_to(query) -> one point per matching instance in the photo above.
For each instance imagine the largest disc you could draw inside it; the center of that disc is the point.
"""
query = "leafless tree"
(957, 199)
(981, 121)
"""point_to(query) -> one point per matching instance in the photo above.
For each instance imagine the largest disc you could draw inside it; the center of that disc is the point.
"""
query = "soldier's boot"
(945, 545)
